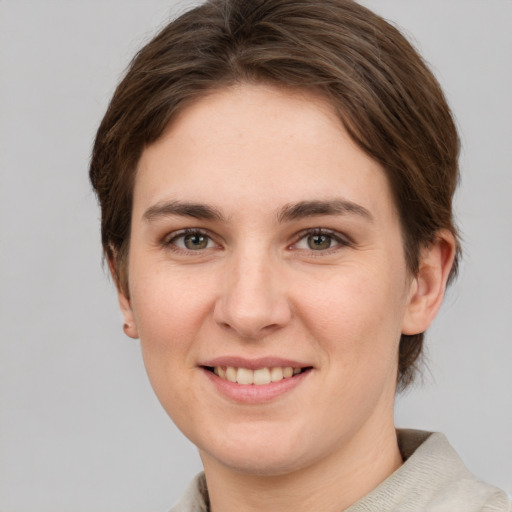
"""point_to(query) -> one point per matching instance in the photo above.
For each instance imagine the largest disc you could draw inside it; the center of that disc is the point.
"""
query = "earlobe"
(428, 287)
(129, 326)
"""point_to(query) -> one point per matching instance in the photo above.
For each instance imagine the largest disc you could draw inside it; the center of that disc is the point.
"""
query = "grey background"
(80, 429)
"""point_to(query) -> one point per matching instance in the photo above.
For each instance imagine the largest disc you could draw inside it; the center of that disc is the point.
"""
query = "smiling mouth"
(258, 377)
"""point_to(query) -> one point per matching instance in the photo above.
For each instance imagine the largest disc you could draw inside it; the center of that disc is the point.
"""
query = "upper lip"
(255, 363)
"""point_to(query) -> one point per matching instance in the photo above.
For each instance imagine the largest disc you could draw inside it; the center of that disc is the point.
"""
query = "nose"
(253, 301)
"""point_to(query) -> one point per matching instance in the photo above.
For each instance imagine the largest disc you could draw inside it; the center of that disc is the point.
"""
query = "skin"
(258, 289)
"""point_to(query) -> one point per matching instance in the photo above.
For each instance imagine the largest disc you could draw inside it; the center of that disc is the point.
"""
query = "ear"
(129, 327)
(427, 288)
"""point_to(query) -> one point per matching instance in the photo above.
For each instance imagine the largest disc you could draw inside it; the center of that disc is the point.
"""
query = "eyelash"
(169, 242)
(341, 241)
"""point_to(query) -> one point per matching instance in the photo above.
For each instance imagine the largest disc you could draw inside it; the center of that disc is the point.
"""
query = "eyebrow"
(182, 209)
(288, 213)
(305, 209)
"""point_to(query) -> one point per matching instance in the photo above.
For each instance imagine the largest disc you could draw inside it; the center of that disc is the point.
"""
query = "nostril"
(252, 310)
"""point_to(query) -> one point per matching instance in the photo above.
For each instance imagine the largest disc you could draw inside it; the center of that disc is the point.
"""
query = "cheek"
(356, 314)
(169, 310)
(356, 326)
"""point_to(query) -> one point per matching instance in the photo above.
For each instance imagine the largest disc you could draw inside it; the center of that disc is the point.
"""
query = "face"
(267, 280)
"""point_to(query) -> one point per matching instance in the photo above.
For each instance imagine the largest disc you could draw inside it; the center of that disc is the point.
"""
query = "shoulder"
(433, 478)
(195, 498)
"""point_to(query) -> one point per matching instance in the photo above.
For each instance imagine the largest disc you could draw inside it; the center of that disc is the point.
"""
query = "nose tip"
(251, 322)
(252, 304)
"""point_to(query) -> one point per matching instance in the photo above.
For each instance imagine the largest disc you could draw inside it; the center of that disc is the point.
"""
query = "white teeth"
(287, 372)
(261, 376)
(231, 374)
(257, 377)
(276, 374)
(244, 376)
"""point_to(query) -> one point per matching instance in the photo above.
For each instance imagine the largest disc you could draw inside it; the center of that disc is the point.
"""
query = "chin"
(259, 462)
(258, 451)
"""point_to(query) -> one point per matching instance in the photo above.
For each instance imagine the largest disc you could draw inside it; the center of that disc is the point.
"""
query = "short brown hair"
(390, 103)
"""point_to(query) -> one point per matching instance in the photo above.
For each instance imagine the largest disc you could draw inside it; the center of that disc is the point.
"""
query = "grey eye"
(195, 241)
(319, 240)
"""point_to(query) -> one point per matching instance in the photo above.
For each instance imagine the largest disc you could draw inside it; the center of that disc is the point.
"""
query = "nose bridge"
(253, 301)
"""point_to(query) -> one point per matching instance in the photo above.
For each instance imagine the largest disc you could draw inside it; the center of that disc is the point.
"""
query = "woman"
(276, 183)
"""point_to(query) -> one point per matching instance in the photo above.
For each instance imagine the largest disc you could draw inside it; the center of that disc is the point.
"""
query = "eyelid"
(341, 239)
(168, 239)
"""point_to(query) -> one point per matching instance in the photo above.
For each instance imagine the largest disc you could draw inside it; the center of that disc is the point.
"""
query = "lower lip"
(251, 393)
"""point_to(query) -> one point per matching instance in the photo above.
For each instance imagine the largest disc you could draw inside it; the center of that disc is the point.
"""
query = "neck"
(331, 484)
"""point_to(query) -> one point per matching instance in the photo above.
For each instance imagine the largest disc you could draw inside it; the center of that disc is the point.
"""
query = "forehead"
(258, 143)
